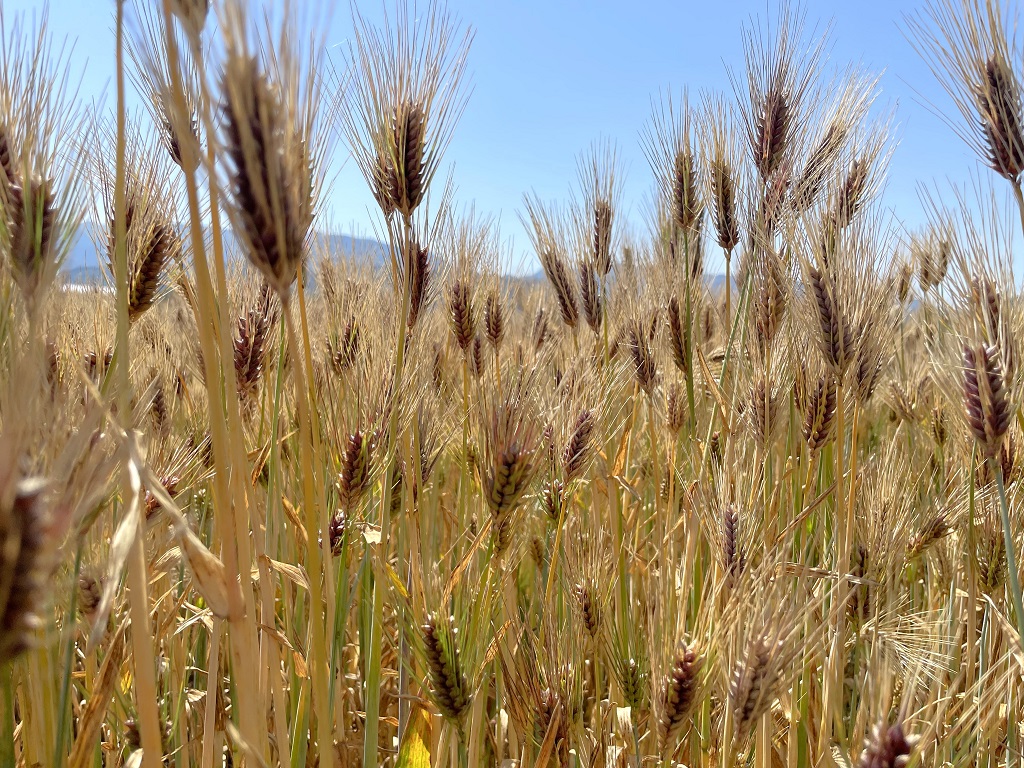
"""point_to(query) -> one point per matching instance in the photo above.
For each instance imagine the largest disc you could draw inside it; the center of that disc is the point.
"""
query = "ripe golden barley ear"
(8, 173)
(770, 299)
(345, 352)
(990, 559)
(588, 602)
(172, 139)
(935, 528)
(675, 407)
(191, 13)
(820, 164)
(541, 330)
(25, 562)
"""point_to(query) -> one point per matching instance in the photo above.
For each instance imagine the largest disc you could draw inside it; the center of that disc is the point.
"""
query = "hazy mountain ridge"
(84, 262)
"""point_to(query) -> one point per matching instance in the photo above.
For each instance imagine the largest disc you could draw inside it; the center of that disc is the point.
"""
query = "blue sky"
(551, 76)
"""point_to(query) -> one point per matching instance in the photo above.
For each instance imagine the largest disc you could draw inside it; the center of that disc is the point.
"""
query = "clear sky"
(551, 76)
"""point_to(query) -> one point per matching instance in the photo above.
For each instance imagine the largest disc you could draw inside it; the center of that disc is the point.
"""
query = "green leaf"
(415, 749)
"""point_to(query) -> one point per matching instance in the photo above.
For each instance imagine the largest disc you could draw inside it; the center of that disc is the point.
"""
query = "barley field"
(265, 503)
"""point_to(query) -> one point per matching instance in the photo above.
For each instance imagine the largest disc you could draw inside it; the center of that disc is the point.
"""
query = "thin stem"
(1011, 555)
(1018, 195)
(319, 673)
(142, 637)
(6, 717)
(373, 677)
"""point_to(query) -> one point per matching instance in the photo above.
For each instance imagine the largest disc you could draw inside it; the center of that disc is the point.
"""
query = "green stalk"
(319, 675)
(372, 700)
(142, 637)
(69, 655)
(1011, 556)
(1018, 195)
(6, 717)
(690, 400)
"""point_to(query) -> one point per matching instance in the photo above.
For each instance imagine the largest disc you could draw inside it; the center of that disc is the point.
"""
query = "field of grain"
(263, 505)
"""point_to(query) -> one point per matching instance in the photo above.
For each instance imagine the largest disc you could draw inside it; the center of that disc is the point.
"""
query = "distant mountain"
(82, 265)
(714, 282)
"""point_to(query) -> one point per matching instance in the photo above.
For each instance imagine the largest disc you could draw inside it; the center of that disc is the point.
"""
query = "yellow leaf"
(415, 749)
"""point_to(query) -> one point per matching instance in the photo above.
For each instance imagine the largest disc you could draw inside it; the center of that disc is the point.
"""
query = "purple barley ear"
(417, 277)
(887, 747)
(734, 560)
(820, 413)
(354, 479)
(336, 530)
(32, 215)
(723, 199)
(589, 604)
(752, 686)
(676, 337)
(685, 197)
(476, 358)
(270, 173)
(409, 128)
(462, 315)
(679, 695)
(985, 398)
(494, 320)
(644, 367)
(558, 274)
(835, 331)
(602, 237)
(25, 564)
(1002, 124)
(590, 296)
(252, 332)
(577, 450)
(446, 676)
(675, 409)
